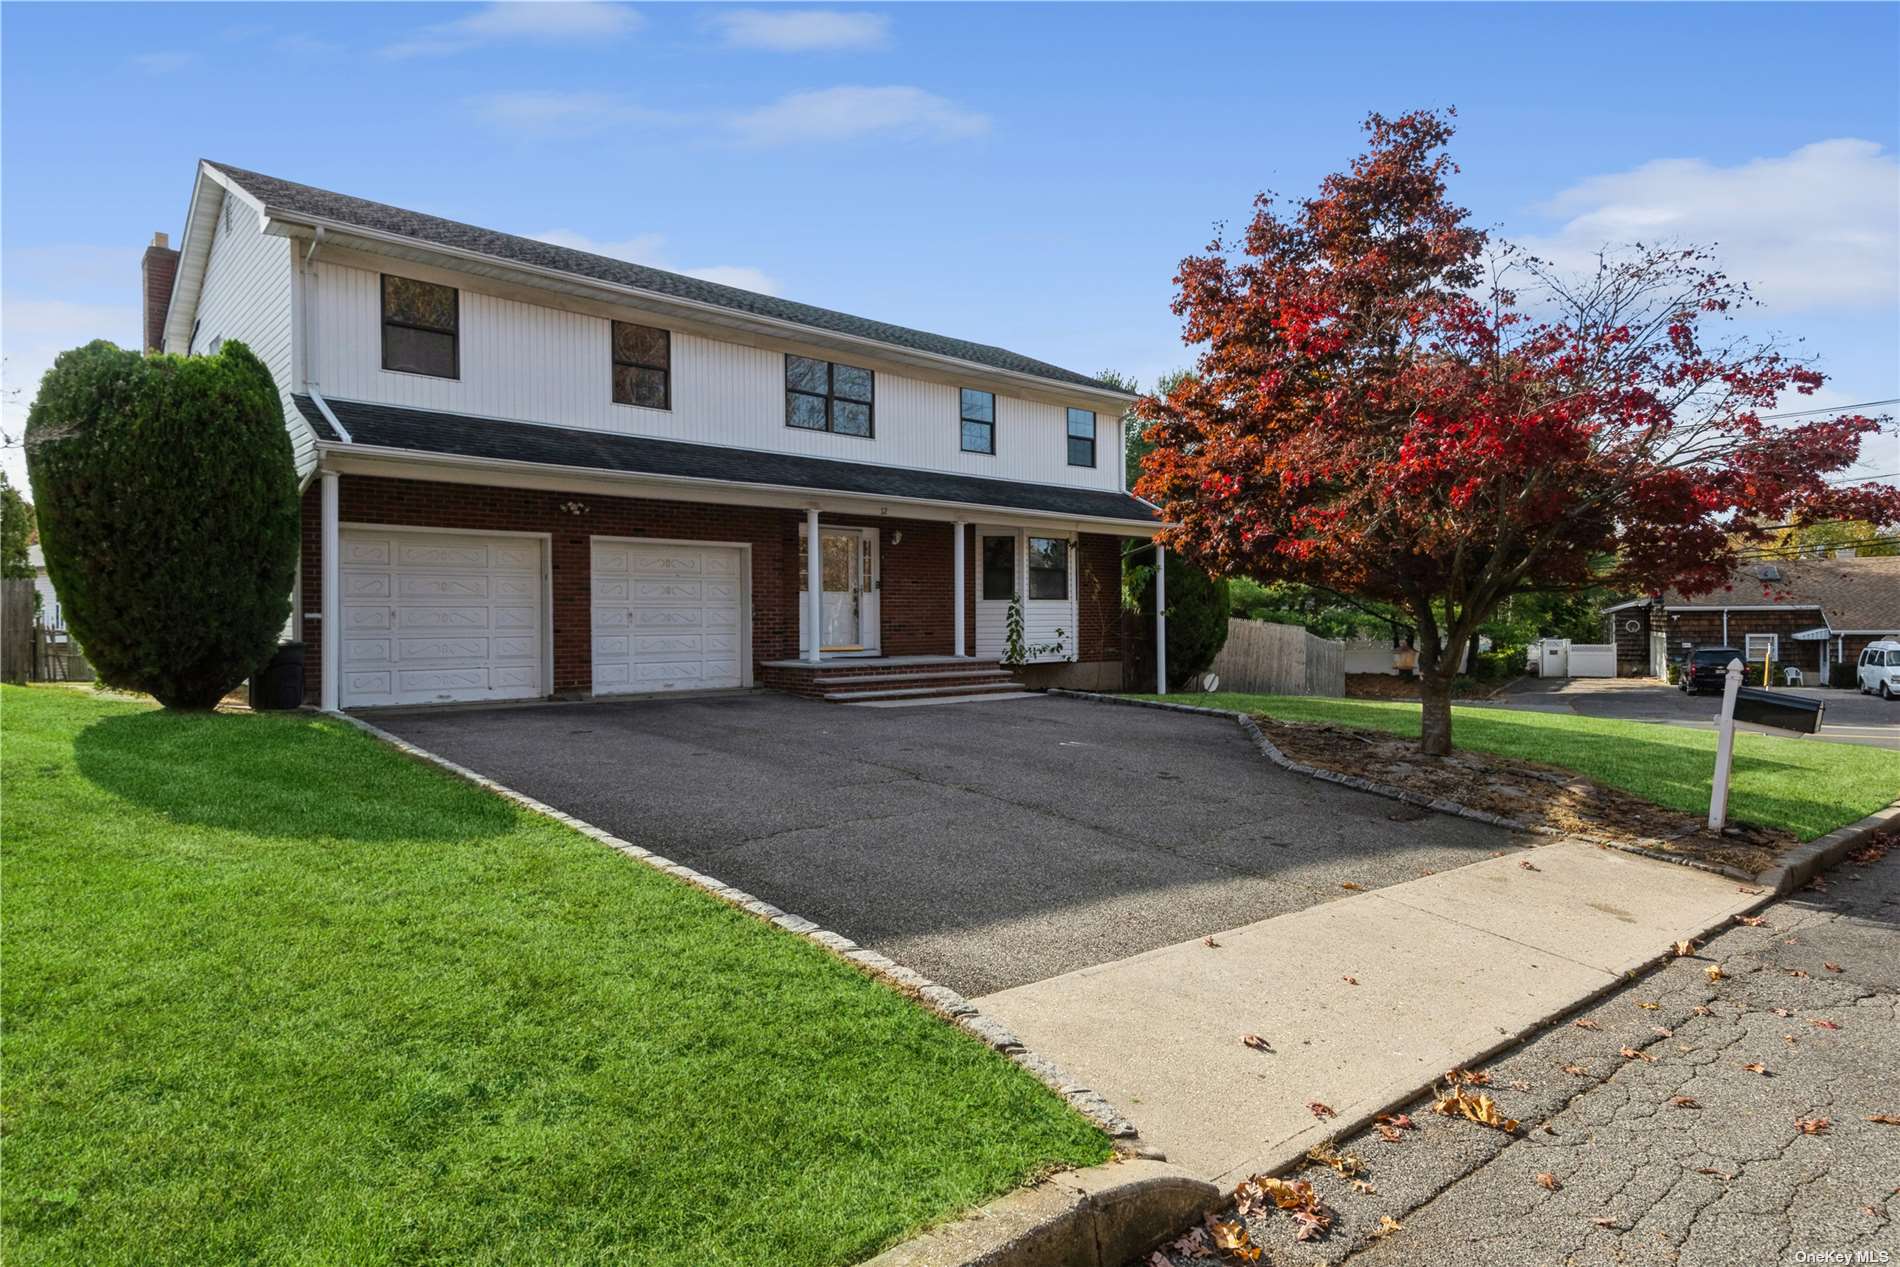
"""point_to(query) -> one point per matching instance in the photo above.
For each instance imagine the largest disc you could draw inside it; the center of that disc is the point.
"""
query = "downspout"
(310, 343)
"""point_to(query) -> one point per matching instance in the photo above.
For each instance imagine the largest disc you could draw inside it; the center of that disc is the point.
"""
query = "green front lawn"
(1799, 785)
(274, 994)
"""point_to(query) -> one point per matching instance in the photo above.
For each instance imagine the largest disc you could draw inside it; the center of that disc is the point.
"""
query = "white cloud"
(164, 63)
(1818, 228)
(562, 113)
(803, 30)
(552, 22)
(846, 113)
(649, 249)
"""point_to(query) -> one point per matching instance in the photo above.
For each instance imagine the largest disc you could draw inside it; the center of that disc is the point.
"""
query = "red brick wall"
(157, 269)
(915, 586)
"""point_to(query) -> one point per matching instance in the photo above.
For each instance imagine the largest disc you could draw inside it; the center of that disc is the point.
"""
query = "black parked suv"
(1703, 669)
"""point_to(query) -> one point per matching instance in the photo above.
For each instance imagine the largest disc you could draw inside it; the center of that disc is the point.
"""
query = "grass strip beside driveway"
(274, 993)
(1799, 785)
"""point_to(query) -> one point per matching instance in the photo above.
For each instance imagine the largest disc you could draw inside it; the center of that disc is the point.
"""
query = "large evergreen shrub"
(167, 501)
(1198, 607)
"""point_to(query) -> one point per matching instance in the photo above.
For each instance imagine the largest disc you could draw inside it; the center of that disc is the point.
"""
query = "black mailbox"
(1779, 709)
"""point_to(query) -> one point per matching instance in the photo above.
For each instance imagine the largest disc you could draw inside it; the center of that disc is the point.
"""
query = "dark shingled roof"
(287, 196)
(426, 431)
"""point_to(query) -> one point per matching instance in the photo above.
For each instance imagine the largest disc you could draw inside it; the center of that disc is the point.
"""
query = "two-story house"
(532, 471)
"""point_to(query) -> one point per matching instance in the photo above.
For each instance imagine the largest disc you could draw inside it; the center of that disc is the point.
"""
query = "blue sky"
(1024, 175)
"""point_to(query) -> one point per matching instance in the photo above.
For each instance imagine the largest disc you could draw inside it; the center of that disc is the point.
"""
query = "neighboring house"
(1808, 613)
(532, 471)
(49, 614)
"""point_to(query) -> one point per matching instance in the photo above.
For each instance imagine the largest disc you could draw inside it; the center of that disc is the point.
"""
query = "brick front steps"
(849, 681)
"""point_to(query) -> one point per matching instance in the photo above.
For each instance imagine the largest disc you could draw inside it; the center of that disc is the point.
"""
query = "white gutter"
(715, 313)
(1130, 527)
(311, 344)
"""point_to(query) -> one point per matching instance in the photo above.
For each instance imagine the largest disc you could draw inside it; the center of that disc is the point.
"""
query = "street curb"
(942, 1000)
(1804, 862)
(1272, 753)
(1104, 1216)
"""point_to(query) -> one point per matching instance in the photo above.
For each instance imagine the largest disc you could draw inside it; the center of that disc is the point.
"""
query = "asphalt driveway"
(986, 845)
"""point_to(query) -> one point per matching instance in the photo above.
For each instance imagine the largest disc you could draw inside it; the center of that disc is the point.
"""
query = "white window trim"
(1774, 646)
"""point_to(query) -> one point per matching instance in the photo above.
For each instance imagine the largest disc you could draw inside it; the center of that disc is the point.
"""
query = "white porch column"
(956, 583)
(331, 632)
(1161, 621)
(814, 585)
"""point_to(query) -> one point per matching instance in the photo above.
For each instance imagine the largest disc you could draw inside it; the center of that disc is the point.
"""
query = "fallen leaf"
(1389, 1135)
(1832, 967)
(1743, 888)
(1387, 1226)
(1818, 1023)
(1719, 1174)
(1230, 1237)
(1210, 943)
(1714, 972)
(1350, 980)
(1684, 949)
(1530, 866)
(1518, 1084)
(1468, 1077)
(1757, 1067)
(1817, 884)
(1630, 1053)
(1811, 1125)
(1401, 1120)
(1584, 1022)
(1356, 888)
(1320, 1110)
(1365, 1189)
(1604, 1221)
(1660, 1032)
(1313, 1223)
(1703, 1009)
(1685, 1102)
(1886, 1119)
(1753, 921)
(1868, 856)
(1256, 1042)
(1547, 1181)
(1479, 1108)
(1796, 972)
(1345, 1164)
(1578, 1070)
(1648, 1006)
(1789, 1038)
(1782, 1011)
(1192, 1245)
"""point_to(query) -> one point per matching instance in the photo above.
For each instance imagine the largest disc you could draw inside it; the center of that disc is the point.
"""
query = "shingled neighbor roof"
(1857, 593)
(294, 199)
(426, 431)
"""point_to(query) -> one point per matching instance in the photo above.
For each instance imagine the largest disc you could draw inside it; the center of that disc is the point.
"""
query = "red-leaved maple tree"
(1376, 411)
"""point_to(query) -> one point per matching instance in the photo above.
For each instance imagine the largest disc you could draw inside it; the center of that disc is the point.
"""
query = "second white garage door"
(667, 617)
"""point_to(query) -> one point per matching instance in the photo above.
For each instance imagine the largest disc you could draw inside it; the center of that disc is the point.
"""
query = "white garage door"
(431, 618)
(667, 617)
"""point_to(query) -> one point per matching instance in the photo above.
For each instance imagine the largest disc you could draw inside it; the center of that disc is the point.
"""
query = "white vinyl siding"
(246, 296)
(532, 363)
(1046, 621)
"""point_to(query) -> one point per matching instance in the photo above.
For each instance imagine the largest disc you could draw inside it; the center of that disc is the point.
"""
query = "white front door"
(667, 617)
(433, 618)
(849, 576)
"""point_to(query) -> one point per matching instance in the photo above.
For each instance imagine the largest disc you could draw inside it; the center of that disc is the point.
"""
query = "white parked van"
(1879, 670)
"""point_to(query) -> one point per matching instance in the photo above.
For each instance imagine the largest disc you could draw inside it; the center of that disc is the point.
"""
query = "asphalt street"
(1683, 1154)
(1848, 716)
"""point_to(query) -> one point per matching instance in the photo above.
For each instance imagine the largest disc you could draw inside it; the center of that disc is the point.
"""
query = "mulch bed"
(1528, 792)
(1394, 686)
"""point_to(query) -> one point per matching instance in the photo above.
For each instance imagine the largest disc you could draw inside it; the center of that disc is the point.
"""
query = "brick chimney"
(158, 268)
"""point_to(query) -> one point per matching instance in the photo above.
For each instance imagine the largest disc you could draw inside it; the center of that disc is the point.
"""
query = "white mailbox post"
(1724, 746)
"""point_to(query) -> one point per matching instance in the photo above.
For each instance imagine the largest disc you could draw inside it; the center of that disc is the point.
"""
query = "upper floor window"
(823, 396)
(419, 327)
(643, 366)
(978, 413)
(1081, 438)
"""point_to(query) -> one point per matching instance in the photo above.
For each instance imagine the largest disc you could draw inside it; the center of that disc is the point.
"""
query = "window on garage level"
(420, 323)
(823, 396)
(1048, 567)
(1761, 646)
(978, 414)
(1081, 437)
(643, 366)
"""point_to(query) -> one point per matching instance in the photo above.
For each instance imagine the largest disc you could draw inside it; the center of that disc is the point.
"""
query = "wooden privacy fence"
(1265, 659)
(16, 629)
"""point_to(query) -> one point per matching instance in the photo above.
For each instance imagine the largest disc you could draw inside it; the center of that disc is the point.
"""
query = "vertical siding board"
(246, 295)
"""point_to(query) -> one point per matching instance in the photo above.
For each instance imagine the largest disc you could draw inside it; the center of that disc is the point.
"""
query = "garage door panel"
(431, 618)
(667, 617)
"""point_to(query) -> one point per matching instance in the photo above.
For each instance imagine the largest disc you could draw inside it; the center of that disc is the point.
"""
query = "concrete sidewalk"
(1449, 968)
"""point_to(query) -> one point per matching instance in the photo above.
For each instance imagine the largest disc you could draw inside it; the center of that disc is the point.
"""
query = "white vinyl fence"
(1265, 659)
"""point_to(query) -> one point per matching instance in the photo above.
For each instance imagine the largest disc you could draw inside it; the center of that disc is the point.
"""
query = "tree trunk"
(1434, 719)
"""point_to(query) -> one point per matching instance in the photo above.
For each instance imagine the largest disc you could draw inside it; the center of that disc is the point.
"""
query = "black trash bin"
(279, 684)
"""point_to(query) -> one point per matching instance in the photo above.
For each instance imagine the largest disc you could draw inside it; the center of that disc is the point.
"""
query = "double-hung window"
(420, 324)
(824, 396)
(1761, 647)
(643, 366)
(1048, 567)
(1081, 437)
(977, 412)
